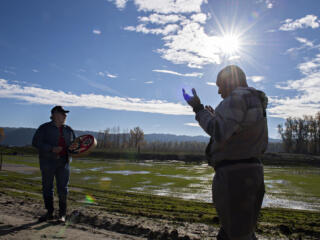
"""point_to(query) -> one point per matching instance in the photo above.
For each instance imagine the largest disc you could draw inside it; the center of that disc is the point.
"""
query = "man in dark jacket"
(239, 135)
(52, 139)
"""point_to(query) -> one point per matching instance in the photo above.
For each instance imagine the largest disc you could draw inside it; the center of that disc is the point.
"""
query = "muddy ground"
(19, 220)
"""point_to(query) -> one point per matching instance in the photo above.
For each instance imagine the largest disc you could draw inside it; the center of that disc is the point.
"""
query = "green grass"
(113, 196)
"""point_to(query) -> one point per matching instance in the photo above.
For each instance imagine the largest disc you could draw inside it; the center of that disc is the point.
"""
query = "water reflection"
(285, 187)
(127, 172)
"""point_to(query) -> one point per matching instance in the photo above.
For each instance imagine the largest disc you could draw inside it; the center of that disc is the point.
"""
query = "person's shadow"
(9, 229)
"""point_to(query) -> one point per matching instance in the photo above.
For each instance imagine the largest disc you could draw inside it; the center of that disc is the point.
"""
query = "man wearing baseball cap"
(52, 140)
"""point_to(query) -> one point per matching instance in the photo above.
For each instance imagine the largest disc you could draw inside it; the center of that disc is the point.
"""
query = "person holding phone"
(238, 136)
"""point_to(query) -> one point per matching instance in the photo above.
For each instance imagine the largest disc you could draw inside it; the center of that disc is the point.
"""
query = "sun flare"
(230, 44)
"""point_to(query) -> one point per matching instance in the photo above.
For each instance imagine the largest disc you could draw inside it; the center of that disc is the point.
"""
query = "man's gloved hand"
(210, 109)
(193, 101)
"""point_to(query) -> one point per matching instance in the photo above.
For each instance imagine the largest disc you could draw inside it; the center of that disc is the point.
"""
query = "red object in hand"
(82, 145)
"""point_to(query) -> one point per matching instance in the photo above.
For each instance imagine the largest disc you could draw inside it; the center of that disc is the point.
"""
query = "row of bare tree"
(115, 139)
(301, 135)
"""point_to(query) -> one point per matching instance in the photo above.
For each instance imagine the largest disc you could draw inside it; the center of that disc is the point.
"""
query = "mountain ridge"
(21, 136)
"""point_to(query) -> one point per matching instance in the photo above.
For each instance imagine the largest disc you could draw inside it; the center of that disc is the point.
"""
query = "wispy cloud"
(171, 28)
(304, 41)
(269, 4)
(211, 83)
(37, 95)
(161, 19)
(35, 70)
(169, 6)
(255, 78)
(111, 75)
(305, 44)
(307, 99)
(9, 72)
(96, 31)
(121, 4)
(305, 22)
(192, 124)
(194, 74)
(148, 82)
(107, 74)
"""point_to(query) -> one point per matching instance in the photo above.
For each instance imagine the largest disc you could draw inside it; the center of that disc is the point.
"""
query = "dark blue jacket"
(47, 137)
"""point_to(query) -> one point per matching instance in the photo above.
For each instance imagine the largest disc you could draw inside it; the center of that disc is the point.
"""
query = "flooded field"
(286, 187)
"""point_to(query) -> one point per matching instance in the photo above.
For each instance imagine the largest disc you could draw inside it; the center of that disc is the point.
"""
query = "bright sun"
(230, 44)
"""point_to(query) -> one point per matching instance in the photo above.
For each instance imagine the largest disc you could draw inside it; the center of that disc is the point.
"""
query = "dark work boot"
(46, 217)
(48, 203)
(62, 208)
(222, 235)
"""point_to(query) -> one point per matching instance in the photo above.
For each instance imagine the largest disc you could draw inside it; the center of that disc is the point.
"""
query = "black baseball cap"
(59, 109)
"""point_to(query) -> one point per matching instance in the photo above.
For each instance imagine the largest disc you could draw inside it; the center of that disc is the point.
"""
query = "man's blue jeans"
(62, 174)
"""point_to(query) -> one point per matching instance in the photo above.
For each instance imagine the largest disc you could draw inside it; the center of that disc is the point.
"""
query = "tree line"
(115, 139)
(301, 135)
(133, 139)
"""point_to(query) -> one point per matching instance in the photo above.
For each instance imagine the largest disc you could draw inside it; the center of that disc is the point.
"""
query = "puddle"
(106, 179)
(19, 168)
(272, 201)
(167, 184)
(87, 178)
(145, 182)
(287, 187)
(127, 172)
(76, 170)
(96, 169)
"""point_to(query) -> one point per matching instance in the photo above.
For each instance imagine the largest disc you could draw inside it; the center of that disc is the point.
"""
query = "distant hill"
(23, 137)
(174, 138)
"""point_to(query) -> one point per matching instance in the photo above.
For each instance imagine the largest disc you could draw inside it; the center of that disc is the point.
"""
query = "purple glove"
(186, 95)
(193, 101)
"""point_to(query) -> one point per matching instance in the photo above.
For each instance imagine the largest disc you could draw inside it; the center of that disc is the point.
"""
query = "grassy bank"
(274, 159)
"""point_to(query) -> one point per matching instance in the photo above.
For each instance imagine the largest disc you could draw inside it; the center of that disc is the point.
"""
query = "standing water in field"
(286, 187)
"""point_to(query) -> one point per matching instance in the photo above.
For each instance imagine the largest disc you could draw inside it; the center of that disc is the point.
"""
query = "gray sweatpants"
(237, 193)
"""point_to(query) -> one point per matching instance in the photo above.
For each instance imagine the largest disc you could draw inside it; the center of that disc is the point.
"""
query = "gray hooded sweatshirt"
(238, 127)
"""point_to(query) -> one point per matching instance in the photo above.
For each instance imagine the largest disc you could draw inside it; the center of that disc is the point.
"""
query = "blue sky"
(123, 62)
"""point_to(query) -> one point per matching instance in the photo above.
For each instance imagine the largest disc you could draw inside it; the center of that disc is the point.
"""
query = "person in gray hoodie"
(239, 135)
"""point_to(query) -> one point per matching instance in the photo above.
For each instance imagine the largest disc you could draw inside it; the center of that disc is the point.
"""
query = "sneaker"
(62, 219)
(46, 217)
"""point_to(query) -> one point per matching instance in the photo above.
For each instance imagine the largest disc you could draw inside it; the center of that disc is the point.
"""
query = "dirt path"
(19, 221)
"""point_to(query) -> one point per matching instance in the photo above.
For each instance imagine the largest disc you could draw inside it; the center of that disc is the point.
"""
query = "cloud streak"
(96, 31)
(211, 83)
(255, 78)
(169, 6)
(37, 95)
(194, 74)
(192, 124)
